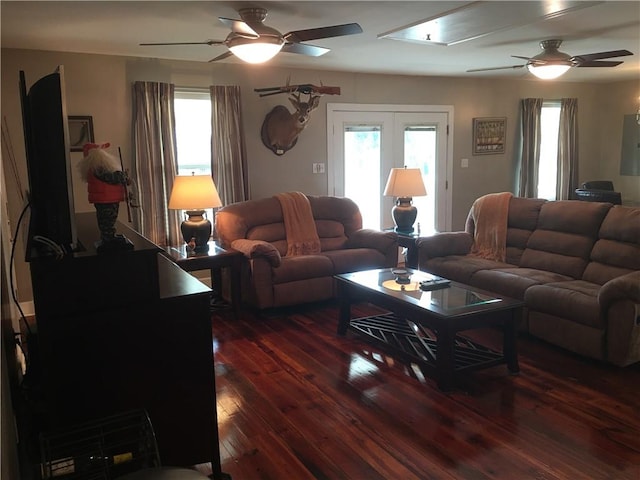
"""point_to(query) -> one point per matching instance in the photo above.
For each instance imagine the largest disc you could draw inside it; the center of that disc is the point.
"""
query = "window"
(548, 166)
(362, 162)
(193, 133)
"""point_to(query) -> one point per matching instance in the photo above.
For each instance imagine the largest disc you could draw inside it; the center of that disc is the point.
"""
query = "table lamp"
(404, 183)
(194, 194)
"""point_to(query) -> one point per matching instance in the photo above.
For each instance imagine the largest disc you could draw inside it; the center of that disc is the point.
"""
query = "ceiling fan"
(254, 42)
(552, 63)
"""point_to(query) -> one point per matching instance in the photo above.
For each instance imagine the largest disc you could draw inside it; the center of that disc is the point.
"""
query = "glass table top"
(445, 297)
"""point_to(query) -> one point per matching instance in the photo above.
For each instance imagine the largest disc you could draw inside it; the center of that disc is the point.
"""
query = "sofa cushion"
(513, 282)
(235, 220)
(524, 212)
(617, 250)
(575, 300)
(340, 209)
(269, 232)
(331, 233)
(273, 233)
(611, 260)
(301, 267)
(522, 221)
(460, 268)
(566, 232)
(354, 259)
(445, 244)
(622, 224)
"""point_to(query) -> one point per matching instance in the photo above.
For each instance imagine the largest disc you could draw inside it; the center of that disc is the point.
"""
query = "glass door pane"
(420, 152)
(362, 171)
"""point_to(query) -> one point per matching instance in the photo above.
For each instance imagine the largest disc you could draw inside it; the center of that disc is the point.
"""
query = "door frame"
(444, 213)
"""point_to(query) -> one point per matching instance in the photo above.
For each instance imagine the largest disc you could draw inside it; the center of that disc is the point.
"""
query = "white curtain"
(155, 162)
(567, 180)
(531, 109)
(228, 163)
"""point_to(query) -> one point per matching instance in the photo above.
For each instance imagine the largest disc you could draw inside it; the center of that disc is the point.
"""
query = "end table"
(408, 241)
(215, 259)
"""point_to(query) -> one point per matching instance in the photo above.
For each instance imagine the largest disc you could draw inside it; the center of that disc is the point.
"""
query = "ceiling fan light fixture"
(257, 50)
(551, 63)
(548, 71)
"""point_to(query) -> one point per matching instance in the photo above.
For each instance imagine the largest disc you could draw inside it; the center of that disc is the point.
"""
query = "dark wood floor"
(296, 401)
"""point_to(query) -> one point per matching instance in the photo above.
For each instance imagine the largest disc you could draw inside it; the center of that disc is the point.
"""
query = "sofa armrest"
(258, 248)
(444, 244)
(625, 287)
(369, 238)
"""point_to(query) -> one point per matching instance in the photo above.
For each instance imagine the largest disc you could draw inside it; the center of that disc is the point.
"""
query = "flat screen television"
(52, 229)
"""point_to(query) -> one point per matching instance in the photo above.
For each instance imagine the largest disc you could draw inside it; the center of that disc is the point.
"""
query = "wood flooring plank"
(296, 400)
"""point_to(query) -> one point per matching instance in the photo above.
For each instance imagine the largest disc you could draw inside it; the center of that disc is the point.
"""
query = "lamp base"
(404, 214)
(196, 230)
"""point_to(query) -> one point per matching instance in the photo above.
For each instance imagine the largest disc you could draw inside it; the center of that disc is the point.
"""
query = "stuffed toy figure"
(106, 182)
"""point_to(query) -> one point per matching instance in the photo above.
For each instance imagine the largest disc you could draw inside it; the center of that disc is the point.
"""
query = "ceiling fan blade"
(606, 63)
(524, 58)
(239, 26)
(221, 56)
(322, 32)
(208, 42)
(512, 67)
(600, 55)
(304, 49)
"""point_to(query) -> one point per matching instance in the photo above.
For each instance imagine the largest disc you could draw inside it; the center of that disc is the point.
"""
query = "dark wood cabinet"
(128, 330)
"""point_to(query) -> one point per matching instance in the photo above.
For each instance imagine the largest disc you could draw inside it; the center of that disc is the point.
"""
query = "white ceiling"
(117, 28)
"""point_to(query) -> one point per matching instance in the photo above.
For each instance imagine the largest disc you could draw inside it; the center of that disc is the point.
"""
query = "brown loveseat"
(575, 264)
(270, 278)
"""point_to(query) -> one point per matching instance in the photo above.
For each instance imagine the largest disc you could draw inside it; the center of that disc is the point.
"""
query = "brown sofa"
(575, 264)
(272, 279)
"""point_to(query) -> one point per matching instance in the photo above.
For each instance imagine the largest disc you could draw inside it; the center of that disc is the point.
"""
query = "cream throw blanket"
(490, 214)
(299, 225)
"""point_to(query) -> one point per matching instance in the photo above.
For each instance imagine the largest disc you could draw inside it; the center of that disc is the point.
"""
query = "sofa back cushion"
(522, 221)
(617, 250)
(336, 219)
(273, 233)
(564, 237)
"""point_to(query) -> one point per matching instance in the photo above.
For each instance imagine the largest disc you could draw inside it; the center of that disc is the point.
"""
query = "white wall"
(100, 86)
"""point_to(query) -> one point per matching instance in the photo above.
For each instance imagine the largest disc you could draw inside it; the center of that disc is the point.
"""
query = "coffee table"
(423, 326)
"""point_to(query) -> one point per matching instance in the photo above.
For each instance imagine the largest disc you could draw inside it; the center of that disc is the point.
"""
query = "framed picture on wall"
(80, 131)
(489, 135)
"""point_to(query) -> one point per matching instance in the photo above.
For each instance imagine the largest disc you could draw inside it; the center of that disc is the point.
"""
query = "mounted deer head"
(281, 128)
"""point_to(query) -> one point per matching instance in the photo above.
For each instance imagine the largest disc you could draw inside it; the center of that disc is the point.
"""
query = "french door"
(366, 141)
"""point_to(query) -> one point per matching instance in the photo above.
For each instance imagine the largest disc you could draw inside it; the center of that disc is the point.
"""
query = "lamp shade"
(405, 182)
(194, 192)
